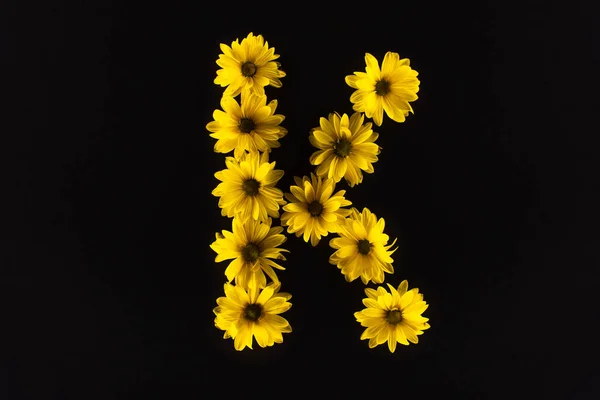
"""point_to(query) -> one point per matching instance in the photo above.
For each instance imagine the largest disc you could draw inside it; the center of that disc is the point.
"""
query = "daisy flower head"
(394, 316)
(346, 147)
(313, 209)
(252, 247)
(250, 126)
(245, 314)
(247, 189)
(388, 89)
(362, 249)
(249, 65)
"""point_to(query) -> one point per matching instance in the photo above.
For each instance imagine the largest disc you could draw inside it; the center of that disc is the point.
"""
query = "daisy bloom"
(313, 209)
(387, 89)
(248, 65)
(346, 147)
(362, 249)
(393, 317)
(250, 126)
(252, 246)
(247, 189)
(253, 313)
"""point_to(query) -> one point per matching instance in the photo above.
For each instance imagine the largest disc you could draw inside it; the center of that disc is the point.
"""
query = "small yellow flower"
(393, 317)
(314, 210)
(388, 89)
(252, 246)
(247, 189)
(362, 249)
(346, 148)
(252, 126)
(248, 65)
(253, 313)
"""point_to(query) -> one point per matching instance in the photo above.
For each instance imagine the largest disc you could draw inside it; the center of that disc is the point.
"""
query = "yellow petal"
(392, 340)
(233, 269)
(371, 303)
(351, 80)
(261, 335)
(406, 299)
(389, 63)
(374, 312)
(372, 68)
(243, 338)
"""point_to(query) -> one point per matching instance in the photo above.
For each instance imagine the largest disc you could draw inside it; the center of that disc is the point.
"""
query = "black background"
(490, 187)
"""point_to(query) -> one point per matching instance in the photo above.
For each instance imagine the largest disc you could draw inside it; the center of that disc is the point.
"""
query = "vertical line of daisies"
(312, 209)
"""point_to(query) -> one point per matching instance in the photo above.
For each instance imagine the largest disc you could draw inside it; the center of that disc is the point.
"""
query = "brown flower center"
(251, 252)
(248, 69)
(382, 87)
(315, 208)
(394, 317)
(252, 312)
(342, 148)
(364, 246)
(246, 125)
(250, 187)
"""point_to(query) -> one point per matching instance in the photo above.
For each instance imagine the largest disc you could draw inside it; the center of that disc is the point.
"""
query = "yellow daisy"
(387, 89)
(362, 249)
(248, 65)
(251, 126)
(313, 210)
(247, 189)
(251, 246)
(244, 314)
(346, 147)
(393, 317)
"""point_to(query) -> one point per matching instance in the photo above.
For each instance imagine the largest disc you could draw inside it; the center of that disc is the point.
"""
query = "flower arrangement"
(246, 129)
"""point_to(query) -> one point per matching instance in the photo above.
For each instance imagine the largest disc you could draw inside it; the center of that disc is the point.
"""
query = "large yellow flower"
(387, 89)
(251, 126)
(244, 314)
(247, 189)
(313, 210)
(393, 317)
(346, 147)
(251, 246)
(248, 66)
(362, 249)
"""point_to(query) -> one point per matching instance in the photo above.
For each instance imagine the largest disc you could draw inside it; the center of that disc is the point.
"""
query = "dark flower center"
(250, 187)
(251, 252)
(315, 208)
(248, 69)
(394, 316)
(246, 125)
(252, 312)
(364, 246)
(342, 148)
(382, 87)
